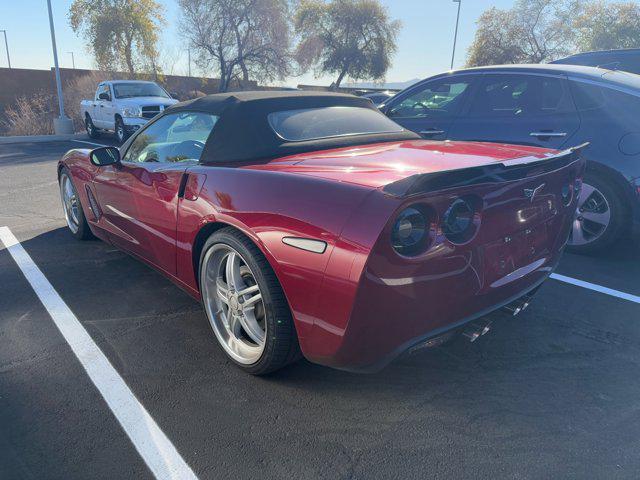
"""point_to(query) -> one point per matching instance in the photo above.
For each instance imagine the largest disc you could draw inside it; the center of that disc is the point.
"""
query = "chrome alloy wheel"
(70, 203)
(592, 216)
(233, 303)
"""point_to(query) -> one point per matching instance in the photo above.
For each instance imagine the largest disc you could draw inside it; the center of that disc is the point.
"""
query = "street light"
(73, 60)
(455, 35)
(62, 124)
(6, 45)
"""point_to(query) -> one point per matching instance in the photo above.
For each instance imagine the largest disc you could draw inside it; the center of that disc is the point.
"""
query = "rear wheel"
(599, 219)
(72, 207)
(245, 304)
(91, 129)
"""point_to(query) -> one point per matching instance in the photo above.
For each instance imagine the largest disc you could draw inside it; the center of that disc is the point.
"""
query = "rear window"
(327, 122)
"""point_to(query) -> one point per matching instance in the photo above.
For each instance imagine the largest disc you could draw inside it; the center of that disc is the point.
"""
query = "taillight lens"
(461, 220)
(410, 232)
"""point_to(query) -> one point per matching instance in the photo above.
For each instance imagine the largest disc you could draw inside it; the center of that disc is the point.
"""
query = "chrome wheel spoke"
(251, 328)
(577, 235)
(601, 218)
(250, 302)
(585, 193)
(222, 290)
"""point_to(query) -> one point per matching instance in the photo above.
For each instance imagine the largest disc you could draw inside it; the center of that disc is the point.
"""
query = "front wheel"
(121, 131)
(599, 219)
(73, 213)
(245, 304)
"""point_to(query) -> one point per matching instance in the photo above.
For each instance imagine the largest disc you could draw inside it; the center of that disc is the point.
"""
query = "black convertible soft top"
(243, 133)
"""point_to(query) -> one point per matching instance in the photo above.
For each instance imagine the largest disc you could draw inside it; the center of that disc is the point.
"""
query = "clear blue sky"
(424, 45)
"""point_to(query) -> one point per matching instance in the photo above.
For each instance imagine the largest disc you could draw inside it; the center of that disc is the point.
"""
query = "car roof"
(613, 78)
(243, 133)
(620, 51)
(129, 81)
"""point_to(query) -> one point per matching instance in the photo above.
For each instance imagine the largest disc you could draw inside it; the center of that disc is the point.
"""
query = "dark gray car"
(554, 106)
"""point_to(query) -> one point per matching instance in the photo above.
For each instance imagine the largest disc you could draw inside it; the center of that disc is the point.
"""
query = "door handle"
(431, 132)
(548, 134)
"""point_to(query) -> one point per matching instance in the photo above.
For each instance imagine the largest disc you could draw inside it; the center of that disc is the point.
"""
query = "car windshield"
(128, 90)
(327, 122)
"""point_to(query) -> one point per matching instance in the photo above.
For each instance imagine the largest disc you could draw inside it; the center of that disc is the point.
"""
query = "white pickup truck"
(123, 106)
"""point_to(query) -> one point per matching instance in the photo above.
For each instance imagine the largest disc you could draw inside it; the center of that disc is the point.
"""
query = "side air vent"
(93, 204)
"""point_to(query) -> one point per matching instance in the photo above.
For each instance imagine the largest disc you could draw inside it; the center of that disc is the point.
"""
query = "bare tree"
(239, 39)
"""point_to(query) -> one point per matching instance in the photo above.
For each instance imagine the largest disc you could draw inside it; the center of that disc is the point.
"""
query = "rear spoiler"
(495, 172)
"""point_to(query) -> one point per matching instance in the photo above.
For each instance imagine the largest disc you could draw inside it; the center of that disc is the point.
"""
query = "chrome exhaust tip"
(475, 331)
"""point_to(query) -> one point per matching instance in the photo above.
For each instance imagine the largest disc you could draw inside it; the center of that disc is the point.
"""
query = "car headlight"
(410, 232)
(132, 111)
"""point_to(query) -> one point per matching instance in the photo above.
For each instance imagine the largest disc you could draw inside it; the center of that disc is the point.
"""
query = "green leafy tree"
(608, 26)
(121, 34)
(533, 31)
(354, 38)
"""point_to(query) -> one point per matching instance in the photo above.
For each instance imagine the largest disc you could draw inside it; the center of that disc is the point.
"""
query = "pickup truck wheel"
(121, 131)
(92, 131)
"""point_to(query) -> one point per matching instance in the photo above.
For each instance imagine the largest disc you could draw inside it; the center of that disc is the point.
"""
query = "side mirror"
(103, 156)
(104, 96)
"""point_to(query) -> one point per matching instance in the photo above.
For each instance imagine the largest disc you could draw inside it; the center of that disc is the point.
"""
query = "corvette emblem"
(531, 193)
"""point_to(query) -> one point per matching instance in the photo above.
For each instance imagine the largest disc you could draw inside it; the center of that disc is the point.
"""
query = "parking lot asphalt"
(552, 393)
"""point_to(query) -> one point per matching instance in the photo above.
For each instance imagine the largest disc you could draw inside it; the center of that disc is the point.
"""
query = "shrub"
(30, 116)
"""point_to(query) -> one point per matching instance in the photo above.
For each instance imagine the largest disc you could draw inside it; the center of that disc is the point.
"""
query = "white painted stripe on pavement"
(91, 143)
(152, 444)
(596, 288)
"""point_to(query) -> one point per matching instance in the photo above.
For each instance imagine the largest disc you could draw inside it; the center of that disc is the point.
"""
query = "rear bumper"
(410, 344)
(391, 317)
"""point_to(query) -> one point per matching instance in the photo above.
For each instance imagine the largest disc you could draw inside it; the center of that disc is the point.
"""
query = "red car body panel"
(359, 303)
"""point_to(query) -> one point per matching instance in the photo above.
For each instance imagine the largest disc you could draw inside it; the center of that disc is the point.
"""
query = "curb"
(42, 138)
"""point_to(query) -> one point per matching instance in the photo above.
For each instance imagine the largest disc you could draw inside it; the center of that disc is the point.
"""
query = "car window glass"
(176, 137)
(433, 99)
(326, 122)
(103, 89)
(587, 96)
(505, 96)
(554, 96)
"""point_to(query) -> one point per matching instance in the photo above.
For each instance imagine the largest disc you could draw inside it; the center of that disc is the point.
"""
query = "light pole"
(73, 60)
(6, 45)
(62, 124)
(189, 60)
(455, 35)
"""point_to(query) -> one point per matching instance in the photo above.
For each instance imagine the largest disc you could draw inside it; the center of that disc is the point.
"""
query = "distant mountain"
(391, 85)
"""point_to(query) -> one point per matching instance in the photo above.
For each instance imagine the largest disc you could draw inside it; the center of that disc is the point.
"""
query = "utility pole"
(6, 46)
(455, 35)
(189, 54)
(63, 124)
(73, 60)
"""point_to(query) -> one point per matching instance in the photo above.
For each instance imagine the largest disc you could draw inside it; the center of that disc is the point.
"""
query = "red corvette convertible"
(309, 223)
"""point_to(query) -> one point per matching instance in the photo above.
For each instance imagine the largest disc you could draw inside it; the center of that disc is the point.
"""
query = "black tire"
(281, 345)
(617, 216)
(121, 131)
(91, 129)
(82, 230)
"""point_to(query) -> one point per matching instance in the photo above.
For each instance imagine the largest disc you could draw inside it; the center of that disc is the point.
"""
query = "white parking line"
(152, 444)
(596, 288)
(91, 143)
